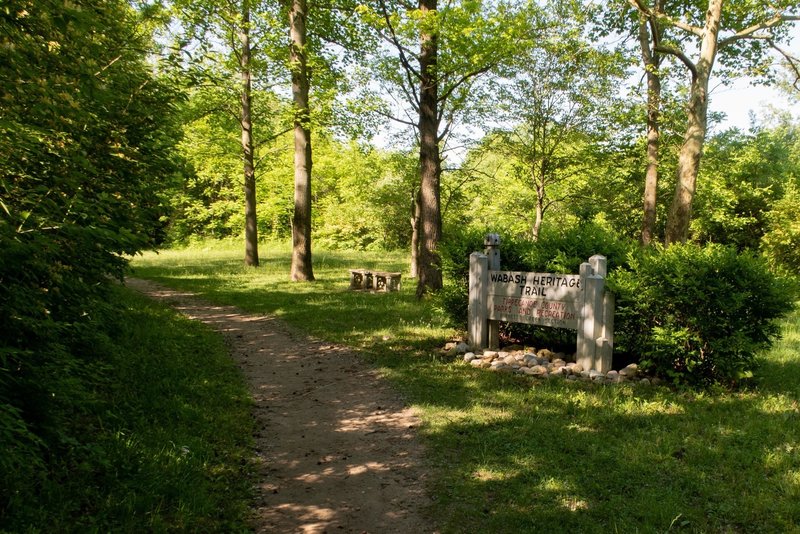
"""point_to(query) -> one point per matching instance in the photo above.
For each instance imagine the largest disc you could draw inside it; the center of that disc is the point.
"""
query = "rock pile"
(541, 364)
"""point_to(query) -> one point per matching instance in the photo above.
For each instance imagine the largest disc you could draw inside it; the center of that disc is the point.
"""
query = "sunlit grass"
(508, 454)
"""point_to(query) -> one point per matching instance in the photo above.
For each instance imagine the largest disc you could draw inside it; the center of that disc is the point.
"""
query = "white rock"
(545, 353)
(468, 357)
(630, 370)
(490, 354)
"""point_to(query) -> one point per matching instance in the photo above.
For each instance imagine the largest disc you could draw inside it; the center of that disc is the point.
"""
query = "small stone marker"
(364, 279)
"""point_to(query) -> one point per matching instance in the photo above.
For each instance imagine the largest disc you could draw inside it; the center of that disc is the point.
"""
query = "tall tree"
(222, 39)
(430, 162)
(739, 32)
(432, 69)
(245, 65)
(325, 38)
(301, 221)
(650, 35)
(558, 97)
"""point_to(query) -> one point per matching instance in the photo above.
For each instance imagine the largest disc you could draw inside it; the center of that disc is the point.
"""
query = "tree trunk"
(430, 271)
(652, 63)
(539, 217)
(301, 221)
(250, 224)
(415, 202)
(680, 213)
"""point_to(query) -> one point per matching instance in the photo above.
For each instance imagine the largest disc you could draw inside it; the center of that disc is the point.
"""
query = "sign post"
(576, 302)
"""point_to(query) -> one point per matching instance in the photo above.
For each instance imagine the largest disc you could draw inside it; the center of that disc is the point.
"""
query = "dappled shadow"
(541, 456)
(570, 464)
(336, 448)
(376, 321)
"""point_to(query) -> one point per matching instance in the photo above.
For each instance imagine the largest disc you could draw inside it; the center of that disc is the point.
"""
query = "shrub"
(781, 243)
(698, 314)
(561, 250)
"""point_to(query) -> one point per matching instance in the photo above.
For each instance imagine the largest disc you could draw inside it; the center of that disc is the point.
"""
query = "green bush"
(698, 314)
(781, 243)
(561, 250)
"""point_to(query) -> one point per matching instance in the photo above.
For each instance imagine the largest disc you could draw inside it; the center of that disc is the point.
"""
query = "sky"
(739, 100)
(742, 98)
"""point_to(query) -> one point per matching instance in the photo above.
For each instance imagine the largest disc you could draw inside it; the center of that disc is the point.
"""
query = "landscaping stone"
(545, 364)
(630, 371)
(538, 370)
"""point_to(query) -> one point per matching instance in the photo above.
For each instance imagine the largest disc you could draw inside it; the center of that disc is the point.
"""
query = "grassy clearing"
(162, 443)
(511, 455)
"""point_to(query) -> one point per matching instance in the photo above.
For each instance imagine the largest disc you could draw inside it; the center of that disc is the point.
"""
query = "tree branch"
(751, 32)
(463, 79)
(680, 55)
(659, 15)
(794, 63)
(408, 68)
(396, 119)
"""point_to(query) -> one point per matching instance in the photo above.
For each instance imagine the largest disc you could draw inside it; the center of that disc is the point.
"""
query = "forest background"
(568, 127)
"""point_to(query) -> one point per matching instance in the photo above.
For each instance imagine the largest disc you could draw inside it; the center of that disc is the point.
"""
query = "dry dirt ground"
(337, 449)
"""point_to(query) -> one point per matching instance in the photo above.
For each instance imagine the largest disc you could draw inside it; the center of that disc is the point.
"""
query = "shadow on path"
(337, 449)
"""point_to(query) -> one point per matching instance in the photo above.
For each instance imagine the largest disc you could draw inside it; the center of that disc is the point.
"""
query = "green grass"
(511, 455)
(161, 440)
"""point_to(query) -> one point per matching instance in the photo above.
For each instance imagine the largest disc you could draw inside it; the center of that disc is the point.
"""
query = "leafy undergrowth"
(160, 443)
(511, 455)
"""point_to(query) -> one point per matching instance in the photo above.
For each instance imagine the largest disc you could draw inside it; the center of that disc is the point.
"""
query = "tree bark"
(250, 225)
(680, 213)
(539, 216)
(430, 271)
(652, 62)
(415, 217)
(301, 269)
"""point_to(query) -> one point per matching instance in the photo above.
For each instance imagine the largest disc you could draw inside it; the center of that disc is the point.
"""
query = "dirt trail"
(336, 446)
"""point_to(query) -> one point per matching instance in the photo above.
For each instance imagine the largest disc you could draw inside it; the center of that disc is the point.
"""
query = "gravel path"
(337, 449)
